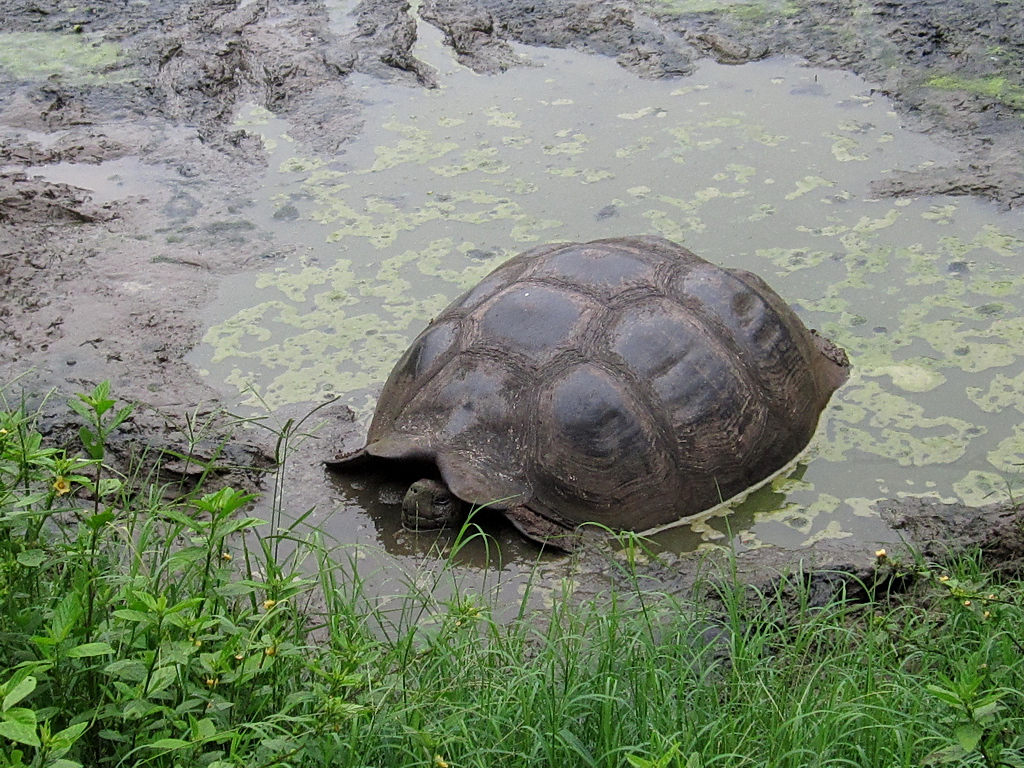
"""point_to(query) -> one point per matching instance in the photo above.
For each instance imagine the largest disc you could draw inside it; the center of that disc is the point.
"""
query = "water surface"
(763, 167)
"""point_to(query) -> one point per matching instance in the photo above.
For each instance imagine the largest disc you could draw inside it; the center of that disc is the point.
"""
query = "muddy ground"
(109, 287)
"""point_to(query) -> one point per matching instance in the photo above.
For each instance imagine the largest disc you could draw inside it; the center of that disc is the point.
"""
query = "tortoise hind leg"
(540, 529)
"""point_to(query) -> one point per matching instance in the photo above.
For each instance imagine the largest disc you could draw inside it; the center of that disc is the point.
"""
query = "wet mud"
(107, 282)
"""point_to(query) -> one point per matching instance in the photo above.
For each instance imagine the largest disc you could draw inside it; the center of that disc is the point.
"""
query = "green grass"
(140, 631)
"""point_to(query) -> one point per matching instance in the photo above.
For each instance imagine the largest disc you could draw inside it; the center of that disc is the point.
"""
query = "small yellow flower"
(967, 603)
(943, 577)
(61, 485)
(440, 762)
(197, 643)
(268, 604)
(211, 681)
(880, 554)
(225, 556)
(987, 615)
(270, 650)
(239, 656)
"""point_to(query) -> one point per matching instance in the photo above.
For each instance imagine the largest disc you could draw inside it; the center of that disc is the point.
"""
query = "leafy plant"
(137, 630)
(975, 711)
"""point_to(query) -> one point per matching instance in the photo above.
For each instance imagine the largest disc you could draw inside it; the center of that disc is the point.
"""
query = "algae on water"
(40, 55)
(746, 168)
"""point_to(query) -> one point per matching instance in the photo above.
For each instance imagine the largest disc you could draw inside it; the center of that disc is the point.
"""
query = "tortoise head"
(429, 504)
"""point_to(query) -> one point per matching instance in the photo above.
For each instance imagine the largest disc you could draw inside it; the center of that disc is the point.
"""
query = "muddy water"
(764, 167)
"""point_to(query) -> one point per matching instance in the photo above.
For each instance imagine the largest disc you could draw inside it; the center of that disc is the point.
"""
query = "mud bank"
(107, 283)
(954, 69)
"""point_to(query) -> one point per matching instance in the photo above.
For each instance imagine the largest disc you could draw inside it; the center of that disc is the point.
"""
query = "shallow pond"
(764, 167)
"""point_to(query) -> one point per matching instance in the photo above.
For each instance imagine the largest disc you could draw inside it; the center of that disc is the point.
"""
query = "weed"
(140, 631)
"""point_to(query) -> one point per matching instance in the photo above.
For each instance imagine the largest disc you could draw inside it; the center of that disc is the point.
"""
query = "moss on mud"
(40, 55)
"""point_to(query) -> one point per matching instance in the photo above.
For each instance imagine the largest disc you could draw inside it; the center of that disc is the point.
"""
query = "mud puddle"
(766, 167)
(383, 200)
(106, 181)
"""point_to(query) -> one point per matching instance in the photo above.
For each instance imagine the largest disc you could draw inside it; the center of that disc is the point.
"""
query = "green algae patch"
(739, 173)
(1008, 455)
(910, 377)
(1003, 392)
(313, 333)
(757, 133)
(995, 87)
(834, 530)
(898, 429)
(40, 55)
(417, 145)
(576, 144)
(978, 488)
(809, 184)
(792, 259)
(482, 160)
(744, 10)
(844, 148)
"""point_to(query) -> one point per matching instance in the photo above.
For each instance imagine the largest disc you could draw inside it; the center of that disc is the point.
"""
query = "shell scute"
(531, 319)
(600, 270)
(589, 430)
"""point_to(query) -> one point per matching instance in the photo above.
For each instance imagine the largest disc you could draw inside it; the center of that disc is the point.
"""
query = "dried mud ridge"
(92, 290)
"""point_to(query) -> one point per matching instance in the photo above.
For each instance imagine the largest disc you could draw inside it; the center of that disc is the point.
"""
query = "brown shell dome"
(626, 382)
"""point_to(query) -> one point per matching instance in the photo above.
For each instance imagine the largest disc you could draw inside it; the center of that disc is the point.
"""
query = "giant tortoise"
(624, 382)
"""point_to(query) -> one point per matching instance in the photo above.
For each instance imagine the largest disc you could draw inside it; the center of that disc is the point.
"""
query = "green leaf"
(97, 521)
(204, 730)
(947, 696)
(89, 649)
(162, 678)
(351, 709)
(108, 486)
(20, 725)
(31, 558)
(169, 744)
(969, 735)
(18, 692)
(987, 706)
(186, 556)
(953, 753)
(238, 525)
(136, 616)
(66, 738)
(65, 616)
(79, 407)
(236, 588)
(986, 711)
(571, 740)
(92, 443)
(132, 670)
(27, 501)
(122, 414)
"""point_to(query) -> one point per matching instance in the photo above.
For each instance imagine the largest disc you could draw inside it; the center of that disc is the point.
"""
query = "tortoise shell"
(626, 382)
